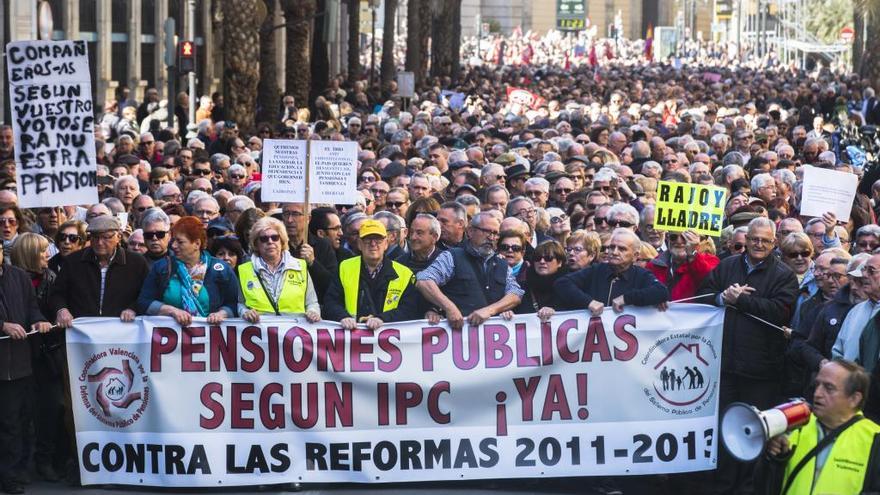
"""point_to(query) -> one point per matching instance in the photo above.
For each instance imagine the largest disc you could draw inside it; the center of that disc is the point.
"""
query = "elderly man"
(821, 232)
(622, 215)
(424, 232)
(206, 209)
(453, 220)
(861, 317)
(371, 289)
(492, 174)
(471, 282)
(537, 189)
(141, 204)
(419, 187)
(169, 193)
(617, 282)
(525, 210)
(395, 228)
(835, 449)
(316, 252)
(100, 280)
(867, 239)
(753, 284)
(764, 187)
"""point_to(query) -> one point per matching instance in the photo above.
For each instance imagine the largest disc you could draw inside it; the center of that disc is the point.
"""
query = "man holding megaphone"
(837, 451)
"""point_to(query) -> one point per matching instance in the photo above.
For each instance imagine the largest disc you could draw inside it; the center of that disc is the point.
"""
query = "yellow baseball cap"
(372, 227)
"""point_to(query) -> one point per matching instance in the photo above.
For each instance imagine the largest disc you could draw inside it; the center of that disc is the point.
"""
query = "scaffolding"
(762, 26)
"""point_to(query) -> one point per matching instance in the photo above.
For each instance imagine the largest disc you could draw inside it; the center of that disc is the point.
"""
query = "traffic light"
(186, 57)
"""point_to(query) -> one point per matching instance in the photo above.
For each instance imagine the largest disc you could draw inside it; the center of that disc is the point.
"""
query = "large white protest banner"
(827, 190)
(287, 401)
(53, 123)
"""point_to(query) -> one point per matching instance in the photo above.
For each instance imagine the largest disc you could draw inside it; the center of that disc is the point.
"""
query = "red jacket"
(688, 276)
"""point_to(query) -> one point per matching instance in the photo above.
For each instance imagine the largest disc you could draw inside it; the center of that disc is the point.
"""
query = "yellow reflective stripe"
(350, 275)
(293, 291)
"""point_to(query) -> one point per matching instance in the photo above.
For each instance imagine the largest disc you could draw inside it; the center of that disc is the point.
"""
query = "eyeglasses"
(488, 232)
(135, 244)
(738, 246)
(368, 178)
(372, 240)
(760, 240)
(103, 237)
(201, 171)
(798, 254)
(575, 249)
(546, 258)
(378, 192)
(620, 223)
(291, 214)
(868, 245)
(269, 238)
(73, 238)
(614, 247)
(394, 204)
(817, 235)
(158, 234)
(11, 221)
(836, 276)
(559, 219)
(562, 190)
(599, 220)
(529, 212)
(514, 248)
(534, 193)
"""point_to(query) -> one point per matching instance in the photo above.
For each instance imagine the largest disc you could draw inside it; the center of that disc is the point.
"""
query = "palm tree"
(241, 58)
(299, 16)
(446, 38)
(386, 72)
(268, 92)
(417, 11)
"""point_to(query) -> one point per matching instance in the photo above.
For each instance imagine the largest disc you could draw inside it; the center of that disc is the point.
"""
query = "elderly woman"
(237, 177)
(560, 227)
(11, 223)
(191, 282)
(273, 281)
(684, 266)
(126, 189)
(70, 238)
(547, 265)
(581, 249)
(797, 254)
(512, 246)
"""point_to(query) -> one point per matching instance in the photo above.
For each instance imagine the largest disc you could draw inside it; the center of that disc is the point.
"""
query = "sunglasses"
(563, 191)
(269, 238)
(868, 245)
(236, 177)
(201, 171)
(620, 223)
(159, 234)
(510, 247)
(738, 246)
(69, 237)
(600, 220)
(558, 219)
(547, 258)
(798, 254)
(394, 204)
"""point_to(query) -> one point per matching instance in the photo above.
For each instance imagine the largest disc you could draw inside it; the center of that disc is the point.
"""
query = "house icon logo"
(114, 388)
(681, 373)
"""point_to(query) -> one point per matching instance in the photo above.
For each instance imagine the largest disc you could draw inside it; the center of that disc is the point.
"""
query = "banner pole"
(306, 206)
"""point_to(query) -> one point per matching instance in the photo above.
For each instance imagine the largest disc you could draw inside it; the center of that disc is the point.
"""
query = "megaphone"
(745, 429)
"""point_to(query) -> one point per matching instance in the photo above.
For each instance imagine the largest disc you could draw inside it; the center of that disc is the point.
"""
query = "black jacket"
(597, 282)
(323, 270)
(825, 328)
(18, 304)
(78, 286)
(539, 291)
(751, 348)
(371, 297)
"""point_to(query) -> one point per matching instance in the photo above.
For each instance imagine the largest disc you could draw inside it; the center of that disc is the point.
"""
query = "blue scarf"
(189, 296)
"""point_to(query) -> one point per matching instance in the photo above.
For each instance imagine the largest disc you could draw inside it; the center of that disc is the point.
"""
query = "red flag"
(649, 43)
(594, 60)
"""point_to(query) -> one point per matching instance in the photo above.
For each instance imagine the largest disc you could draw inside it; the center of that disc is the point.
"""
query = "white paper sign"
(827, 190)
(53, 123)
(284, 170)
(406, 84)
(333, 172)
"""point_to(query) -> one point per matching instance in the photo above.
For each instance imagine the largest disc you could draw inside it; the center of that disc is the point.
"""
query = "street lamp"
(374, 4)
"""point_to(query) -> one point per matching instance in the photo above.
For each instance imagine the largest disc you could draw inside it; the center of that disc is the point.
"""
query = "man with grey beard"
(470, 282)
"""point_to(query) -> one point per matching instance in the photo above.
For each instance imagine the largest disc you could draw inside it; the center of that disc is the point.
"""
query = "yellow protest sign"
(681, 206)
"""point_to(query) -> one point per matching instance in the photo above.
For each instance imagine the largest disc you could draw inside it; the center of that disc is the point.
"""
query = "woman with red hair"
(191, 282)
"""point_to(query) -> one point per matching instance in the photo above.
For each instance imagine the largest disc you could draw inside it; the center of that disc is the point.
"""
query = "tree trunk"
(416, 38)
(426, 17)
(456, 39)
(444, 42)
(354, 40)
(869, 61)
(241, 60)
(268, 92)
(299, 16)
(320, 57)
(387, 70)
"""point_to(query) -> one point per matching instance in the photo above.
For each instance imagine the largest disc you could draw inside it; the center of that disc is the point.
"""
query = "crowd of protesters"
(468, 207)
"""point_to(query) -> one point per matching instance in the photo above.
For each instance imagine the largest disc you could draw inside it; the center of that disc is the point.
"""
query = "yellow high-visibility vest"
(293, 292)
(350, 276)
